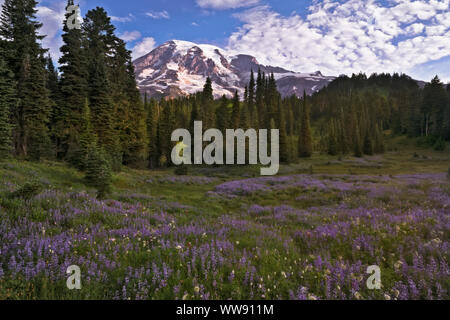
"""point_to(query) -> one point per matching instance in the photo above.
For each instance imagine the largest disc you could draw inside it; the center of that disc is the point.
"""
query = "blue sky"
(334, 36)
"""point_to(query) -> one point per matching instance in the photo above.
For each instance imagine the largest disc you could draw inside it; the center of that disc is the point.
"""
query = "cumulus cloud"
(225, 4)
(130, 35)
(158, 15)
(143, 47)
(345, 37)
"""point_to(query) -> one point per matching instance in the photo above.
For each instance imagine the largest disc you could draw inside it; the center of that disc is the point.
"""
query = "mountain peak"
(179, 67)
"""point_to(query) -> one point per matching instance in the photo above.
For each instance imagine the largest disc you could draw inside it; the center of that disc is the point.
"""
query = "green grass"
(272, 244)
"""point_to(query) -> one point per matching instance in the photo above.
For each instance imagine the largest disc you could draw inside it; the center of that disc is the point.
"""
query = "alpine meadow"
(94, 205)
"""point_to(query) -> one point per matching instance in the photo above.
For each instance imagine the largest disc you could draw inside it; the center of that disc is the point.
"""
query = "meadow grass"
(227, 233)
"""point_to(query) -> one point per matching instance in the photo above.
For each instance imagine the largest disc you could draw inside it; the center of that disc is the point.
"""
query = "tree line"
(352, 114)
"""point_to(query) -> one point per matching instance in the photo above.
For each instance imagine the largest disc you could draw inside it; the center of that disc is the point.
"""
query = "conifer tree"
(98, 172)
(25, 58)
(7, 103)
(271, 98)
(99, 41)
(223, 115)
(73, 88)
(305, 139)
(244, 121)
(134, 135)
(368, 147)
(151, 132)
(236, 113)
(332, 141)
(52, 81)
(207, 105)
(259, 98)
(194, 116)
(379, 141)
(358, 152)
(166, 125)
(284, 143)
(35, 102)
(87, 140)
(434, 107)
(253, 117)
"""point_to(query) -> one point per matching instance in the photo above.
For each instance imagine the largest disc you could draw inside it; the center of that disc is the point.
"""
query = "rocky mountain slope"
(179, 68)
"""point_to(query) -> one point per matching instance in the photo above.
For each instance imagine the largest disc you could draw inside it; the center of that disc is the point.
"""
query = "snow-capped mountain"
(179, 68)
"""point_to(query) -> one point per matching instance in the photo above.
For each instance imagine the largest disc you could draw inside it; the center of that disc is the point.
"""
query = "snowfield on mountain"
(178, 68)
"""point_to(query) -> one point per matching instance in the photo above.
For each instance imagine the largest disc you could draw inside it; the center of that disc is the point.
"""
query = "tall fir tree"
(253, 117)
(99, 41)
(223, 115)
(305, 148)
(73, 88)
(7, 103)
(151, 110)
(236, 112)
(332, 140)
(87, 140)
(285, 156)
(368, 146)
(207, 105)
(25, 57)
(357, 148)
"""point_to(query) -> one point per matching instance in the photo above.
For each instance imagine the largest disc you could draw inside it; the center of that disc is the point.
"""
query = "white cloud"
(345, 37)
(225, 4)
(128, 18)
(158, 15)
(415, 28)
(52, 23)
(130, 35)
(143, 47)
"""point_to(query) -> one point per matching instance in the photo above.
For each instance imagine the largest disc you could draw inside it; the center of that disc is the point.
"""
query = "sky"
(333, 36)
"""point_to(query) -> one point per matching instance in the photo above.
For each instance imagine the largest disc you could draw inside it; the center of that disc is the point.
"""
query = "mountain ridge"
(179, 68)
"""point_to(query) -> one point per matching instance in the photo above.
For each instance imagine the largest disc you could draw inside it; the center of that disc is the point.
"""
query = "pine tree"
(284, 143)
(55, 100)
(434, 107)
(35, 102)
(73, 87)
(52, 80)
(87, 140)
(195, 116)
(271, 98)
(98, 172)
(305, 139)
(236, 113)
(151, 133)
(259, 98)
(25, 58)
(207, 105)
(368, 147)
(223, 115)
(379, 141)
(166, 125)
(99, 41)
(332, 141)
(358, 152)
(253, 117)
(7, 103)
(134, 135)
